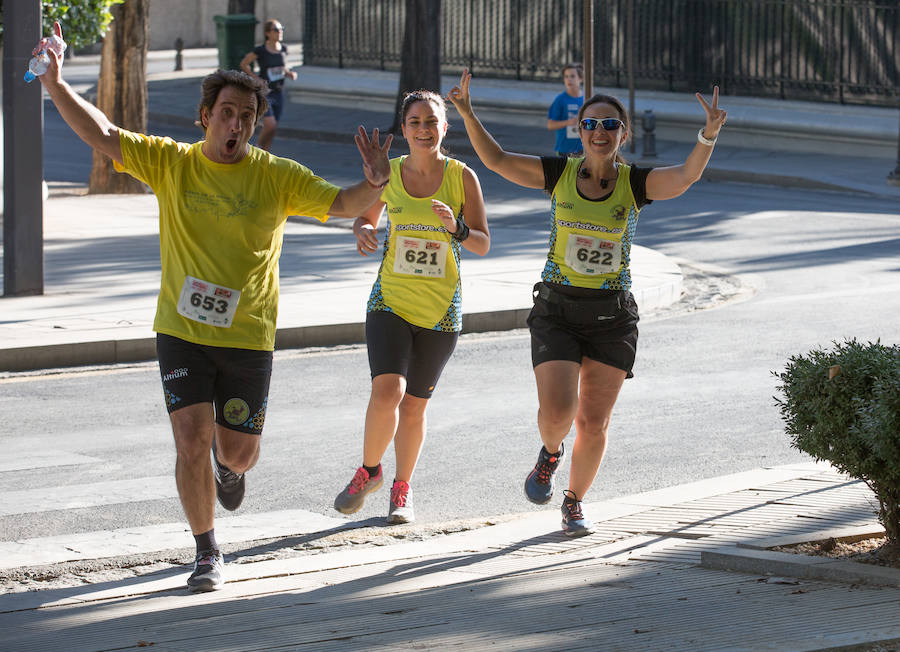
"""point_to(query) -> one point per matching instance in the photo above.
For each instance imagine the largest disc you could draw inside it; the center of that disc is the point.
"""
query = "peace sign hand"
(459, 94)
(715, 117)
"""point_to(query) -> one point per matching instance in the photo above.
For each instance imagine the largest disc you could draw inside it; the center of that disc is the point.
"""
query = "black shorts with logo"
(398, 347)
(236, 381)
(571, 324)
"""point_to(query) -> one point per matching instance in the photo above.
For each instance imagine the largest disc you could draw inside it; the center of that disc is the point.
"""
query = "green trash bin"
(234, 38)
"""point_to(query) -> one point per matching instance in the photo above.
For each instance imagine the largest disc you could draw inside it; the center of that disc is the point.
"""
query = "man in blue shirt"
(563, 114)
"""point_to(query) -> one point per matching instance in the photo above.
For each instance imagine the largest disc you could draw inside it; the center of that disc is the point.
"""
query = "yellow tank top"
(419, 275)
(590, 241)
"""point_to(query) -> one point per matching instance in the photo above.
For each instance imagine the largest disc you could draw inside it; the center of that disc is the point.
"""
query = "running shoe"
(539, 483)
(209, 572)
(401, 506)
(230, 486)
(574, 524)
(351, 499)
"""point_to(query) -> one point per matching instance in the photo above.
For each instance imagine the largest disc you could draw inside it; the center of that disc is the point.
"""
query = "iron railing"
(827, 50)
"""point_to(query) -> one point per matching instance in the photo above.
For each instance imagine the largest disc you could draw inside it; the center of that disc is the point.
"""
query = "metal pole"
(893, 178)
(23, 162)
(179, 47)
(630, 55)
(588, 63)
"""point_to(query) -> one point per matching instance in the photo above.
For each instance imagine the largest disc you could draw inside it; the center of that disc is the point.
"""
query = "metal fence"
(828, 50)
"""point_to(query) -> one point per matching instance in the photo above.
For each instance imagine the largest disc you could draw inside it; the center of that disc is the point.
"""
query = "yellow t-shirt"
(419, 275)
(590, 241)
(220, 234)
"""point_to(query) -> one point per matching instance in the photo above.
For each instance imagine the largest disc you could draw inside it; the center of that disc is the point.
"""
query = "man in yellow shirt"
(222, 205)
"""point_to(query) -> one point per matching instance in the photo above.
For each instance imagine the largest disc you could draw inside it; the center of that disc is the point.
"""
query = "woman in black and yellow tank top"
(584, 321)
(434, 210)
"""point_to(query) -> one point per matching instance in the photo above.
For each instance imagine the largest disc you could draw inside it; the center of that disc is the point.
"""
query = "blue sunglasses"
(609, 124)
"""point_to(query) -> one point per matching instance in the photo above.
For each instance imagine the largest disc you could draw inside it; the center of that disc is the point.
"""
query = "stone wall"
(193, 21)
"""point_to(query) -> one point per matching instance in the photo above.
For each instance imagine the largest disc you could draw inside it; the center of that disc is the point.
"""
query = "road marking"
(40, 459)
(88, 495)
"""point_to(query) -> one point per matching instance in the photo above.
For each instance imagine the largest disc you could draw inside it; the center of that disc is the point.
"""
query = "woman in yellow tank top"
(584, 321)
(434, 210)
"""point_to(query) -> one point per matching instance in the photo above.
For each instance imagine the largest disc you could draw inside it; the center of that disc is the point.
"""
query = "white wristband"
(703, 140)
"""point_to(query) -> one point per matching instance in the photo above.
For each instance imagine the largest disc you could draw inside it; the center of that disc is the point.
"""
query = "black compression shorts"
(236, 381)
(397, 347)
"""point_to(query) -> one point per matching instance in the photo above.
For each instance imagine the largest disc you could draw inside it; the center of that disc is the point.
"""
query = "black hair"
(214, 83)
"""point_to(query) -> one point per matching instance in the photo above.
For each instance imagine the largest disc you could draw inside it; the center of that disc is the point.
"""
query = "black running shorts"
(601, 326)
(397, 347)
(236, 381)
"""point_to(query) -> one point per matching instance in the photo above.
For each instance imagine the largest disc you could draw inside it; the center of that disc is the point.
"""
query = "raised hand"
(715, 117)
(459, 94)
(376, 165)
(56, 60)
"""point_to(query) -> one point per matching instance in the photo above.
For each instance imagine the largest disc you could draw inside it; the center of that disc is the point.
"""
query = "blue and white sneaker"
(574, 524)
(209, 572)
(539, 483)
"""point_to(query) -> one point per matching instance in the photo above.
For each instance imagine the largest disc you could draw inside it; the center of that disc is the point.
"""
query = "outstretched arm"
(672, 181)
(355, 200)
(522, 169)
(85, 119)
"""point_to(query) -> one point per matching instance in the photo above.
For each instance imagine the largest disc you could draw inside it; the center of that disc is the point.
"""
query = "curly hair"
(214, 83)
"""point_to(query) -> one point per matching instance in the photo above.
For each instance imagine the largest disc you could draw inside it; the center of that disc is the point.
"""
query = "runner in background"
(271, 57)
(562, 117)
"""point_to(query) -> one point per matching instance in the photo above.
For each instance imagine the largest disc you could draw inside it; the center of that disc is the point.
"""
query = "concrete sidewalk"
(685, 568)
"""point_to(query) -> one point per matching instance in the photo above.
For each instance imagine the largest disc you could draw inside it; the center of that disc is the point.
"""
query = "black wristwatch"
(462, 230)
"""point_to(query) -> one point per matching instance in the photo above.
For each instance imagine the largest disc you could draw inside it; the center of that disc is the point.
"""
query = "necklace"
(584, 173)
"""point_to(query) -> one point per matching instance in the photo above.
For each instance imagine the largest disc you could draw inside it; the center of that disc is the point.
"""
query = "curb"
(140, 349)
(758, 557)
(770, 563)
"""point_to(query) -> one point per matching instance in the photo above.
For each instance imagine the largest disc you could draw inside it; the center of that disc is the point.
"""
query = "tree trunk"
(420, 61)
(241, 6)
(889, 511)
(122, 89)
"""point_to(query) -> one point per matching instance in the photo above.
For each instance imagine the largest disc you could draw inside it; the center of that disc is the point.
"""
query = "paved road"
(700, 406)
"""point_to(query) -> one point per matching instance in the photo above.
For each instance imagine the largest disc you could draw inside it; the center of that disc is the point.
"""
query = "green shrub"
(843, 406)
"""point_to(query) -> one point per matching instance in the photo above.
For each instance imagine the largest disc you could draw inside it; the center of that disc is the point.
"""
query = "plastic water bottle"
(41, 61)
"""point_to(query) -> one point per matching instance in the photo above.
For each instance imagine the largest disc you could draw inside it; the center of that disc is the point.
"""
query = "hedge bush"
(843, 405)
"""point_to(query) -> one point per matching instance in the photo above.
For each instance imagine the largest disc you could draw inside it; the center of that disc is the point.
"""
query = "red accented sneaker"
(351, 499)
(401, 507)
